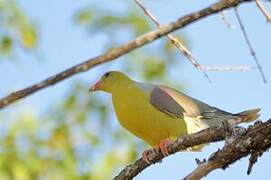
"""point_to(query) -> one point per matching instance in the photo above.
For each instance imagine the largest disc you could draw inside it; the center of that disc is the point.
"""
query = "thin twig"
(252, 52)
(225, 20)
(174, 40)
(116, 52)
(263, 10)
(237, 68)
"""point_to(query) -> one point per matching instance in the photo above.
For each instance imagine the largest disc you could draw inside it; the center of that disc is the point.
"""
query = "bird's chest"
(136, 114)
(130, 110)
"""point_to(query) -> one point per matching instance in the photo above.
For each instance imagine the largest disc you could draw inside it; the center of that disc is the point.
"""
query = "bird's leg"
(230, 132)
(162, 146)
(146, 153)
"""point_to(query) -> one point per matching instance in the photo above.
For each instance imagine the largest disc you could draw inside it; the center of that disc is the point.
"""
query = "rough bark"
(253, 141)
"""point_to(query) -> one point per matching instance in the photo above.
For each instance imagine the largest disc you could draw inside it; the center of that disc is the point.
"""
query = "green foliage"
(150, 63)
(154, 68)
(70, 142)
(84, 17)
(77, 137)
(99, 19)
(5, 45)
(16, 29)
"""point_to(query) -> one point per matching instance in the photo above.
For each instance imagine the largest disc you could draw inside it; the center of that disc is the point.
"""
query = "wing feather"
(177, 104)
(165, 103)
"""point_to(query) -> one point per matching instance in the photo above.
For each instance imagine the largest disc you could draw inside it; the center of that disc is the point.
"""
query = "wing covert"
(165, 103)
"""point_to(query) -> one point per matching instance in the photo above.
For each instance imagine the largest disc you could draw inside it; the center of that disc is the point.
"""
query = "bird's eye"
(106, 74)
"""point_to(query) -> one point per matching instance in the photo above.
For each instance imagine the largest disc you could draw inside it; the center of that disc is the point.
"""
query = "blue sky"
(63, 44)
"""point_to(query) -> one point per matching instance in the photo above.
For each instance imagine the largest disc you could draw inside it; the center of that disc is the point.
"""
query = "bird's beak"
(95, 87)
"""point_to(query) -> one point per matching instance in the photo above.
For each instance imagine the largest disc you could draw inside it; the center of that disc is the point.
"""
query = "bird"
(159, 114)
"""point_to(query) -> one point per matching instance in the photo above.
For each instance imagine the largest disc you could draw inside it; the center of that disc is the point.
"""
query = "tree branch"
(256, 138)
(174, 40)
(255, 141)
(263, 10)
(212, 134)
(181, 47)
(122, 50)
(251, 49)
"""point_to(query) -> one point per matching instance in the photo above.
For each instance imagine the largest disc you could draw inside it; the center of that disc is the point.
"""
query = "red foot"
(163, 146)
(145, 155)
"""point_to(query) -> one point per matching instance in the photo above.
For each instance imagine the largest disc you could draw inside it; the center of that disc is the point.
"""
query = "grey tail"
(249, 115)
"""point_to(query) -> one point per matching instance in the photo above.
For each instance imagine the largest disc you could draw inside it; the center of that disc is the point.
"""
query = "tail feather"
(249, 115)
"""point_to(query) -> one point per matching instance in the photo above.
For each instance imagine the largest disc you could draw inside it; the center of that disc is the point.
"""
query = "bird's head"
(109, 81)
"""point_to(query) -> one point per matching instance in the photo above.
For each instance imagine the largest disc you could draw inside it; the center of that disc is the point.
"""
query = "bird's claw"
(230, 131)
(162, 147)
(146, 153)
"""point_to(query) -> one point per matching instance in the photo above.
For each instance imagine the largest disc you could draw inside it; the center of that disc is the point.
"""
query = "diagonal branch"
(257, 139)
(121, 50)
(212, 134)
(263, 10)
(252, 52)
(174, 41)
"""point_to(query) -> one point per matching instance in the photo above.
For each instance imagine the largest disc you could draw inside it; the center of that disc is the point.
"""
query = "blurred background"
(65, 132)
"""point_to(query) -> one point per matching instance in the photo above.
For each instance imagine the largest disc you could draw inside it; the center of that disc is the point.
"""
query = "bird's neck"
(121, 88)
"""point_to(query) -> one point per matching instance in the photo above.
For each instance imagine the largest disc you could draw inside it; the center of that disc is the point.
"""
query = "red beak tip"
(94, 87)
(91, 89)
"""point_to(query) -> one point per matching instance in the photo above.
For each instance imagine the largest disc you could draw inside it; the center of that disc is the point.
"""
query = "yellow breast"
(141, 118)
